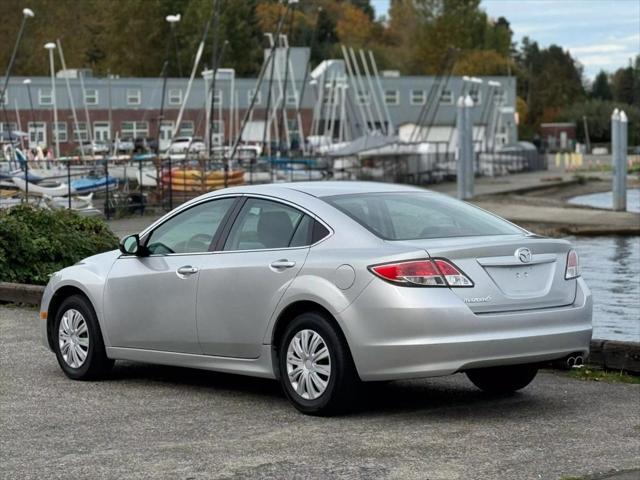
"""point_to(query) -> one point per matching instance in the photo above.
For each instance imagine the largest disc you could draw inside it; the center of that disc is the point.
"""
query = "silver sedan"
(322, 285)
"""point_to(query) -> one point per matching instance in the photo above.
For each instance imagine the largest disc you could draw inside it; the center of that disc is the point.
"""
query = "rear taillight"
(573, 265)
(422, 273)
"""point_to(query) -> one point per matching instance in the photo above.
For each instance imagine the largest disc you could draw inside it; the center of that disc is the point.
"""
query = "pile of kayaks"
(191, 180)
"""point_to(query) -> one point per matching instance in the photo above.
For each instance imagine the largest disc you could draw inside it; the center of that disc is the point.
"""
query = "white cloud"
(598, 48)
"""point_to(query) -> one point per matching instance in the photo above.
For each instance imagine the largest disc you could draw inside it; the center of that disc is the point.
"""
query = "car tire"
(506, 379)
(315, 366)
(77, 340)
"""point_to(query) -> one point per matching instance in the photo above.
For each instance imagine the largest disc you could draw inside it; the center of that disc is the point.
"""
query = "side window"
(264, 224)
(303, 233)
(319, 232)
(190, 231)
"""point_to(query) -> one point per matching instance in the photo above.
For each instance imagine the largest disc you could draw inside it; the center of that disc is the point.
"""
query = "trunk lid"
(509, 272)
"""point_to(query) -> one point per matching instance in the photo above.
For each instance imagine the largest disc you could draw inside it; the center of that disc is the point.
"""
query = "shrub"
(35, 242)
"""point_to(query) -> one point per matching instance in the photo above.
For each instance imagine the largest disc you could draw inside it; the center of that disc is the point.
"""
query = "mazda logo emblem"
(523, 254)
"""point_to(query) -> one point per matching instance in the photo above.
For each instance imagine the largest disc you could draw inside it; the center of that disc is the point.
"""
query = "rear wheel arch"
(288, 314)
(58, 297)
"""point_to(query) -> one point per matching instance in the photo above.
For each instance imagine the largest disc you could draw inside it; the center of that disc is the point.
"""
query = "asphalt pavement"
(159, 422)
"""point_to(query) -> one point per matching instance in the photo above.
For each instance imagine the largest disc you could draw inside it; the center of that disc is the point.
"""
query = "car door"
(240, 285)
(150, 301)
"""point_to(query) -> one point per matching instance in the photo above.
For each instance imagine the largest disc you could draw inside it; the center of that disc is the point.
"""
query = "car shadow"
(196, 378)
(445, 396)
(451, 396)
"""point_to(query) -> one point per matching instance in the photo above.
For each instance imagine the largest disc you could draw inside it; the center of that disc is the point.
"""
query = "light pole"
(26, 13)
(171, 20)
(51, 47)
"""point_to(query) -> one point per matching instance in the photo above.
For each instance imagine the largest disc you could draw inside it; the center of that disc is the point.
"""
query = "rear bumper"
(396, 332)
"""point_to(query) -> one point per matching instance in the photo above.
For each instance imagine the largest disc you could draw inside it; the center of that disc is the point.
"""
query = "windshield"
(417, 215)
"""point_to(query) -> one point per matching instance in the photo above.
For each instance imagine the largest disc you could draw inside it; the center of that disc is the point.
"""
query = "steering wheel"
(159, 247)
(199, 242)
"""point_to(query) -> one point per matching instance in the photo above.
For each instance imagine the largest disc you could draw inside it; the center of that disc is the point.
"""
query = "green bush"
(35, 242)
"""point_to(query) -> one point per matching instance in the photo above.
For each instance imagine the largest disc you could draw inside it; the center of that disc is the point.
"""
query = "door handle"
(281, 264)
(186, 270)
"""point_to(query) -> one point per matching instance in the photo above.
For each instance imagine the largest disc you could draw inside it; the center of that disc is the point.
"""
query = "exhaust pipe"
(573, 360)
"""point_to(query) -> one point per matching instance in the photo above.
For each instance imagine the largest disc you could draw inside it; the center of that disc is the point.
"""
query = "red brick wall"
(197, 116)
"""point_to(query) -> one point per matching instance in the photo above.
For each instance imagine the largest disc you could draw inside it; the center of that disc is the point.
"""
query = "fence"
(131, 185)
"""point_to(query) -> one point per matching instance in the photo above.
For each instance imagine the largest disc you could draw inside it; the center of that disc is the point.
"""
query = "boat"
(59, 190)
(93, 184)
(194, 180)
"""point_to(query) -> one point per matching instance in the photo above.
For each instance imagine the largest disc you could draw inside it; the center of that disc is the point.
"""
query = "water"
(605, 200)
(611, 268)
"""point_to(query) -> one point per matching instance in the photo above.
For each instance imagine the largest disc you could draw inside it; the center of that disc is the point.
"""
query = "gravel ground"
(159, 422)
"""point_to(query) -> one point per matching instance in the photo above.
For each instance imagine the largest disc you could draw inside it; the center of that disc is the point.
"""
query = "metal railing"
(135, 184)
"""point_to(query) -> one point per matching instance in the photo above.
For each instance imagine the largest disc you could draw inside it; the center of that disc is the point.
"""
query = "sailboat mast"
(71, 103)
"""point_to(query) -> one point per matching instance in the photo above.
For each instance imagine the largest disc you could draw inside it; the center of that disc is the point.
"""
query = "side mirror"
(130, 245)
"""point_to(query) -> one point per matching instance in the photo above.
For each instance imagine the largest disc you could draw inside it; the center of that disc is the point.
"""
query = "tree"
(598, 116)
(600, 88)
(482, 63)
(623, 85)
(553, 80)
(354, 28)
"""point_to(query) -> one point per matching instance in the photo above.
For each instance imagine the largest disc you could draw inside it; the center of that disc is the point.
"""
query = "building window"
(166, 130)
(62, 132)
(362, 98)
(328, 94)
(175, 96)
(250, 94)
(91, 96)
(186, 129)
(36, 133)
(475, 96)
(500, 97)
(292, 99)
(446, 97)
(44, 96)
(134, 129)
(8, 127)
(418, 97)
(102, 131)
(81, 134)
(134, 97)
(217, 98)
(292, 125)
(391, 97)
(218, 127)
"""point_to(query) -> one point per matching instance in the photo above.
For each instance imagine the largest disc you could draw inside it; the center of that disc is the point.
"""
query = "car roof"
(324, 188)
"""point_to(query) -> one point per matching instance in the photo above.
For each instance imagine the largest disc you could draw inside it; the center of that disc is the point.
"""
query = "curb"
(21, 293)
(608, 354)
(528, 189)
(616, 355)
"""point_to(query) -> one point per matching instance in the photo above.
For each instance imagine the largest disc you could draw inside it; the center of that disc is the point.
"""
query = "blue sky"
(600, 34)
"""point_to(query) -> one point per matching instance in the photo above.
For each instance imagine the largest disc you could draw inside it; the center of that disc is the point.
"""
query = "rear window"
(412, 216)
